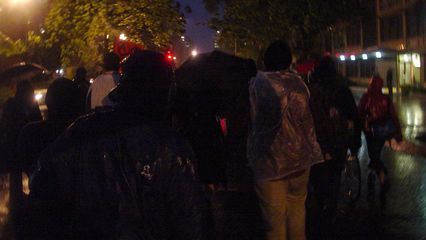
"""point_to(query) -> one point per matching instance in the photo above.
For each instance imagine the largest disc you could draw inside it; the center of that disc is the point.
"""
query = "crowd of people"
(107, 164)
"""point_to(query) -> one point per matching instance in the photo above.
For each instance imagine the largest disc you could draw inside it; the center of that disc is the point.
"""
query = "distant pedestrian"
(122, 173)
(104, 83)
(338, 130)
(380, 123)
(83, 85)
(282, 144)
(389, 82)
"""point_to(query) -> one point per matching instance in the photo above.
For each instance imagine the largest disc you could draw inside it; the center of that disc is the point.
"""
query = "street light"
(123, 37)
(18, 2)
(194, 53)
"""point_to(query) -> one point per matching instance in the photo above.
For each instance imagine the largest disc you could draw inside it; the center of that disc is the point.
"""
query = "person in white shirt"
(104, 83)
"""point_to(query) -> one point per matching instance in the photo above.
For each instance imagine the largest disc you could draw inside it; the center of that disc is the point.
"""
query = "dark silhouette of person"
(63, 107)
(389, 82)
(338, 129)
(122, 173)
(80, 78)
(17, 112)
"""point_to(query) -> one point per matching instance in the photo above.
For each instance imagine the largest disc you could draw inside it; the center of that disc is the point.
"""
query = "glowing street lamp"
(194, 53)
(17, 2)
(122, 37)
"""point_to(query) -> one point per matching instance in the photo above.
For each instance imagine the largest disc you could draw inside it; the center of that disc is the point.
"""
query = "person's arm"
(362, 113)
(354, 125)
(300, 110)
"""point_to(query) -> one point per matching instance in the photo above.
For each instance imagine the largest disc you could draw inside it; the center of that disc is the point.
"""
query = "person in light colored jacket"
(282, 144)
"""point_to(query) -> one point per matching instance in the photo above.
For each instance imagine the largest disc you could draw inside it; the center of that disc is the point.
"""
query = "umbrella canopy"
(21, 71)
(212, 86)
(214, 82)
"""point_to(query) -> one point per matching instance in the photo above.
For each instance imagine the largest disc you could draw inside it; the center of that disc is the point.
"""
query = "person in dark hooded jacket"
(338, 129)
(64, 105)
(17, 112)
(122, 173)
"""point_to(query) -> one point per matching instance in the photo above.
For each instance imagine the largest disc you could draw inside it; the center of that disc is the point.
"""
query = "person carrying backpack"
(380, 123)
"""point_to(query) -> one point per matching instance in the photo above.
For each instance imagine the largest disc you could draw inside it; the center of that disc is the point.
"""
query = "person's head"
(145, 84)
(375, 85)
(80, 74)
(63, 100)
(277, 56)
(325, 72)
(25, 91)
(111, 62)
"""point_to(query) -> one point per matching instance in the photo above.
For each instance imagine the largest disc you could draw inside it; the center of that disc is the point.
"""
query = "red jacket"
(374, 106)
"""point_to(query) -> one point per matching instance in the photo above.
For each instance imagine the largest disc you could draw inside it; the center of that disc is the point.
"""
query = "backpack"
(331, 126)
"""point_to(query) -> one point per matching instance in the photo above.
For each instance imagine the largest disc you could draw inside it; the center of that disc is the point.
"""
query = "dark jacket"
(16, 114)
(282, 139)
(116, 175)
(335, 113)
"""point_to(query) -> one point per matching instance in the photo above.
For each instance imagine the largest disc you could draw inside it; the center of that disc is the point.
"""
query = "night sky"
(200, 34)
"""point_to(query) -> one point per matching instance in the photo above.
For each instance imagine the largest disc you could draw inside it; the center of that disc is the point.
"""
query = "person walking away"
(380, 123)
(282, 144)
(104, 83)
(389, 82)
(63, 107)
(83, 85)
(338, 130)
(122, 173)
(17, 112)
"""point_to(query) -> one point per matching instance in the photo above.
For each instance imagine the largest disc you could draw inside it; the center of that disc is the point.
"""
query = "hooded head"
(375, 85)
(25, 92)
(277, 56)
(325, 72)
(62, 100)
(111, 62)
(80, 74)
(145, 84)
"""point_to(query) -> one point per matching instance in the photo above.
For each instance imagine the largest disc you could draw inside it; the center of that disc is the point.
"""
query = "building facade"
(389, 41)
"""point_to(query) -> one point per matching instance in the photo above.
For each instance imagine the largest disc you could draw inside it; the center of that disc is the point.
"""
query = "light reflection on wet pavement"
(402, 217)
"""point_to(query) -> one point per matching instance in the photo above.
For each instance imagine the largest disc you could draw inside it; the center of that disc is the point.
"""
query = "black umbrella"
(213, 82)
(211, 86)
(21, 71)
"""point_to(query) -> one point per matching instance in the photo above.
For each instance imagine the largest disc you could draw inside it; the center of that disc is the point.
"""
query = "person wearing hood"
(122, 172)
(338, 130)
(281, 146)
(377, 114)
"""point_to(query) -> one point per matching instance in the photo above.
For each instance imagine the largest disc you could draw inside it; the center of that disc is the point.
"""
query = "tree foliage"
(84, 29)
(248, 26)
(10, 47)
